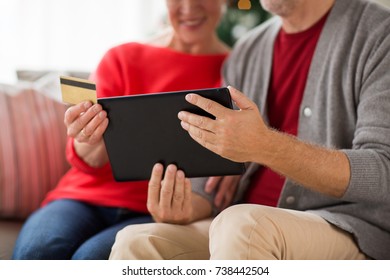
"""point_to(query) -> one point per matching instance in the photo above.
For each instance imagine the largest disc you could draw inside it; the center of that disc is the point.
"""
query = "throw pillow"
(32, 148)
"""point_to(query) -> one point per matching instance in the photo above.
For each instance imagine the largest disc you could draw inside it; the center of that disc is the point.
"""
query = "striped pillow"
(32, 149)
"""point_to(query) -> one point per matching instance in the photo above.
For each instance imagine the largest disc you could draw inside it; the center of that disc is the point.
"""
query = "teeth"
(192, 22)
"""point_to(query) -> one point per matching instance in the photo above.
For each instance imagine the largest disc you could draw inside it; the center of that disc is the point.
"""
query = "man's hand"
(238, 135)
(242, 136)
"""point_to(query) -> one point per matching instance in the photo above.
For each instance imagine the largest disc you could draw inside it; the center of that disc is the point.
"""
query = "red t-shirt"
(125, 70)
(291, 62)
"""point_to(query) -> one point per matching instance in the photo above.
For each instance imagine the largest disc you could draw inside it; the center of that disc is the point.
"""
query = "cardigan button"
(290, 200)
(307, 112)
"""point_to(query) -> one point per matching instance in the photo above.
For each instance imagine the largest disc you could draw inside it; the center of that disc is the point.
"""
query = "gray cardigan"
(346, 105)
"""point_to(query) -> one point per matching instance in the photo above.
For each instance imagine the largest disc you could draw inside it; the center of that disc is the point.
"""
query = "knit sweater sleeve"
(370, 156)
(77, 162)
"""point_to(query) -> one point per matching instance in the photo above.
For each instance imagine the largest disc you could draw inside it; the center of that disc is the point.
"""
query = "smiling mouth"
(192, 22)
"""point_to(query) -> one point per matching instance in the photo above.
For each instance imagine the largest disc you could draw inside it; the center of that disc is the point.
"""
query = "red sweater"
(126, 70)
(291, 62)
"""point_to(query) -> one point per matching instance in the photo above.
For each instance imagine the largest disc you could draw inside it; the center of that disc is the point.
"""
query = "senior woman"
(81, 216)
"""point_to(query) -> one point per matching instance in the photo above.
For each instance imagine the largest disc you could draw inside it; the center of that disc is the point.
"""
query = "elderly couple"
(312, 91)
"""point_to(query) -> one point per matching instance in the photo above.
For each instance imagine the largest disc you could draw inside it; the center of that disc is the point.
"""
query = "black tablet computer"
(144, 129)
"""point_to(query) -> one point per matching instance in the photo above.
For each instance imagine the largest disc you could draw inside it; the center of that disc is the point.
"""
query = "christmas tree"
(241, 16)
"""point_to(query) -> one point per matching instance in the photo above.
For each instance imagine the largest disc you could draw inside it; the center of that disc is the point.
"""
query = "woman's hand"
(171, 200)
(225, 188)
(86, 123)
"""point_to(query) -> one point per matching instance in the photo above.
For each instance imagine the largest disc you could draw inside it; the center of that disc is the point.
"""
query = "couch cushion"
(32, 148)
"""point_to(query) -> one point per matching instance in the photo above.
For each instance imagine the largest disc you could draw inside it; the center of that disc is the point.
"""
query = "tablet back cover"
(144, 129)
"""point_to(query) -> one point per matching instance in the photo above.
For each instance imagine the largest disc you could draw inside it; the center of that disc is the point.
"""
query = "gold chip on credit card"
(75, 90)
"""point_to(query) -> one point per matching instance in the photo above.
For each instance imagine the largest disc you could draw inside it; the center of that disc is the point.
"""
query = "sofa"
(32, 148)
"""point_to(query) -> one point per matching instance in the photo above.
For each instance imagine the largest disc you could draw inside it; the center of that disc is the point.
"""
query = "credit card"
(75, 90)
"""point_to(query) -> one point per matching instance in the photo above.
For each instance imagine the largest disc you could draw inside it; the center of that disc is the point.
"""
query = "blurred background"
(72, 35)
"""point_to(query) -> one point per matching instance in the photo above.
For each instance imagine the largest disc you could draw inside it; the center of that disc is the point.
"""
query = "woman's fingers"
(169, 196)
(86, 122)
(167, 187)
(155, 188)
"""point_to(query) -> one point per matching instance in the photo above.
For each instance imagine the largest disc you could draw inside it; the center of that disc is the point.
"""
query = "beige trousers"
(243, 231)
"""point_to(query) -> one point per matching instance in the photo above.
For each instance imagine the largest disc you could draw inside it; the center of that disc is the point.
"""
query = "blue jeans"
(69, 229)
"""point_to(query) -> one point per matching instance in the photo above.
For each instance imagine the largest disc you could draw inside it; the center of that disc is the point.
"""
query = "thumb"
(242, 102)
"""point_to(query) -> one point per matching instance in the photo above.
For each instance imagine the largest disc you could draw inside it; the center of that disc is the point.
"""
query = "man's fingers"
(242, 102)
(197, 120)
(203, 137)
(210, 106)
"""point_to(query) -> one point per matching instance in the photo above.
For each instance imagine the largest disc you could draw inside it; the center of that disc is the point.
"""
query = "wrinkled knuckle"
(178, 197)
(200, 134)
(86, 131)
(79, 122)
(209, 106)
(166, 192)
(153, 186)
(201, 122)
